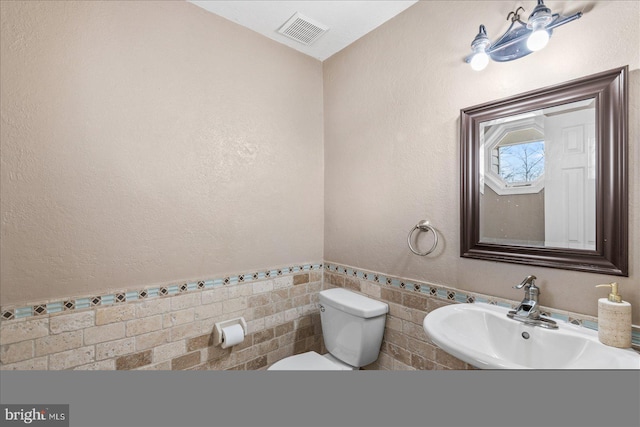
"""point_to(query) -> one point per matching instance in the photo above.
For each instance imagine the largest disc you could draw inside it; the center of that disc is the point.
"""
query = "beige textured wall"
(392, 105)
(149, 142)
(152, 142)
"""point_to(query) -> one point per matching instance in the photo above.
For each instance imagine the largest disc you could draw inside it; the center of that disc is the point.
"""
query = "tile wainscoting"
(169, 327)
(405, 345)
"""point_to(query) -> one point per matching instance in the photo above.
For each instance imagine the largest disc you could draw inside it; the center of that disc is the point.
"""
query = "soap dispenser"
(614, 319)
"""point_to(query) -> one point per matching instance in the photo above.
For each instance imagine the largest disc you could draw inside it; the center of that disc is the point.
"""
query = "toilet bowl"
(352, 329)
(311, 361)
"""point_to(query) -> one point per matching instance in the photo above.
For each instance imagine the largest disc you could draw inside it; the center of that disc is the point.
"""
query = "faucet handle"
(529, 281)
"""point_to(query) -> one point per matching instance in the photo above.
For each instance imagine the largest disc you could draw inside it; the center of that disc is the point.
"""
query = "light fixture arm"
(513, 43)
(515, 16)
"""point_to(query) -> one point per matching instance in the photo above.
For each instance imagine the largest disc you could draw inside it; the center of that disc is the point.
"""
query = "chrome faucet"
(529, 305)
(528, 311)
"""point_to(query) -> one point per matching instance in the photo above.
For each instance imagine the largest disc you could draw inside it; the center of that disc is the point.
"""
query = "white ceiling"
(347, 20)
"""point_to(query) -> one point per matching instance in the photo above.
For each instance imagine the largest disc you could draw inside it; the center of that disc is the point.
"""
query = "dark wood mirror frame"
(611, 254)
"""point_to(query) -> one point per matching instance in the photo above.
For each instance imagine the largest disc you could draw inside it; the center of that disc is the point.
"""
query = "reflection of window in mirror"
(520, 163)
(514, 154)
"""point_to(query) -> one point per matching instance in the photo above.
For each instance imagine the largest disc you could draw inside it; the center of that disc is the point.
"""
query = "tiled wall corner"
(405, 345)
(169, 328)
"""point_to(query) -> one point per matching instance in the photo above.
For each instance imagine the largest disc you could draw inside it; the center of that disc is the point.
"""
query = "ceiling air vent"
(302, 29)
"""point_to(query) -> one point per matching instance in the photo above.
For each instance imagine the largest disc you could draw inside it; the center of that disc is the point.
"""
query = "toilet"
(352, 328)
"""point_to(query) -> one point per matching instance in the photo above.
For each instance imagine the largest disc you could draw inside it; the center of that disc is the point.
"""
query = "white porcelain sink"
(483, 336)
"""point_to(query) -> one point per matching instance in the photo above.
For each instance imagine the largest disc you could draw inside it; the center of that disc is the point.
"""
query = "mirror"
(544, 177)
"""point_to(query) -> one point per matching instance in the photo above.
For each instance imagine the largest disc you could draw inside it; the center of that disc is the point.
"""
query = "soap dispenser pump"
(614, 319)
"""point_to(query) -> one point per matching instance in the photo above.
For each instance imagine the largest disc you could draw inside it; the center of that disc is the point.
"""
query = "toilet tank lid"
(352, 303)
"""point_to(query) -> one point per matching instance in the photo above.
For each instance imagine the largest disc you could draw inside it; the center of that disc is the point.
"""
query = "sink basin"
(483, 336)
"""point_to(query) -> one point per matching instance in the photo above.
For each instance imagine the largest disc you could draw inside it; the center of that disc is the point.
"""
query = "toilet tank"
(352, 325)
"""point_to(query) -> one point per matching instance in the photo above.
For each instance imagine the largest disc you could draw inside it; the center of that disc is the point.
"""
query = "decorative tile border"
(122, 297)
(456, 295)
(441, 292)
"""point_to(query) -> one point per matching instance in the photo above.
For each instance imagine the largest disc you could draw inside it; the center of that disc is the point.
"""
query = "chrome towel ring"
(423, 226)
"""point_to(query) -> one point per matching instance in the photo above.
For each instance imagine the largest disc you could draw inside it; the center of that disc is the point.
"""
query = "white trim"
(490, 141)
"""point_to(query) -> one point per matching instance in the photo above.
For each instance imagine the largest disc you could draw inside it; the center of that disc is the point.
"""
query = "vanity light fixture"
(519, 40)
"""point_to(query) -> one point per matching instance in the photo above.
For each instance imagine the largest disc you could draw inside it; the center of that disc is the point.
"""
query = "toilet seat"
(309, 361)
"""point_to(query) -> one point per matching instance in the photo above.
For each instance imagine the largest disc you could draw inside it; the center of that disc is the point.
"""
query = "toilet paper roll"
(232, 335)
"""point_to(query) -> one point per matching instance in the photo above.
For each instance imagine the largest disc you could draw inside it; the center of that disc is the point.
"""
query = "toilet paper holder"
(217, 330)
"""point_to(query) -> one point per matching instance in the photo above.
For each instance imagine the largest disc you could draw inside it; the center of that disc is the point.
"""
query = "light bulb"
(538, 39)
(479, 61)
(537, 23)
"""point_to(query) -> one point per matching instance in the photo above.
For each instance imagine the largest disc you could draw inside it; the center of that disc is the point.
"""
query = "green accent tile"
(22, 312)
(173, 289)
(192, 286)
(153, 292)
(82, 303)
(559, 316)
(108, 299)
(131, 296)
(460, 297)
(586, 323)
(55, 307)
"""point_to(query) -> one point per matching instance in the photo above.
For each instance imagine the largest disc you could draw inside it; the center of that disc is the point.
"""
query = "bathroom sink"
(483, 336)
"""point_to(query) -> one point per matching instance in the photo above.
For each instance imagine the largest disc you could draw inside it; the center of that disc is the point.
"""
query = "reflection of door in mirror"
(537, 178)
(570, 181)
